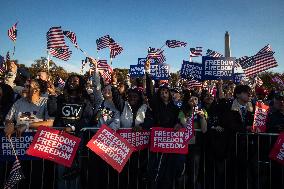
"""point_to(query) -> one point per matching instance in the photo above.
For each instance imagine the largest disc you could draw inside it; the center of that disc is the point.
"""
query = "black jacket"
(77, 112)
(164, 115)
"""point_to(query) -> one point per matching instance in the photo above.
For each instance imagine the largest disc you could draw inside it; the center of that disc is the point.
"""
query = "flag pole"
(82, 68)
(110, 56)
(48, 59)
(158, 51)
(14, 151)
(14, 48)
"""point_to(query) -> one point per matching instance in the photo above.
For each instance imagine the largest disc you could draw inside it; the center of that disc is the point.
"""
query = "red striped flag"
(16, 175)
(72, 36)
(61, 53)
(261, 61)
(104, 69)
(212, 53)
(2, 70)
(175, 43)
(258, 81)
(157, 54)
(265, 49)
(60, 82)
(103, 42)
(55, 38)
(115, 48)
(195, 52)
(193, 83)
(278, 80)
(12, 32)
(258, 63)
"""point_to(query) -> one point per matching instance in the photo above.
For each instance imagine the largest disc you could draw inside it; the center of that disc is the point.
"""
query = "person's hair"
(203, 95)
(8, 95)
(139, 93)
(241, 89)
(82, 91)
(186, 108)
(159, 93)
(41, 85)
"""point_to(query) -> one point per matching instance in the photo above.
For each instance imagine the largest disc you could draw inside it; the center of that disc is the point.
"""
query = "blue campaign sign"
(141, 61)
(21, 144)
(137, 71)
(215, 68)
(160, 71)
(191, 70)
(238, 77)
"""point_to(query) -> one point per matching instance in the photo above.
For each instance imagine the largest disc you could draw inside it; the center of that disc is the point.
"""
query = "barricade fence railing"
(208, 165)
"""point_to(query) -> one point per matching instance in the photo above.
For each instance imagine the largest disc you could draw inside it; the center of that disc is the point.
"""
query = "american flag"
(193, 83)
(104, 69)
(8, 57)
(72, 36)
(195, 52)
(102, 65)
(16, 175)
(240, 60)
(2, 61)
(267, 48)
(258, 81)
(84, 62)
(115, 48)
(12, 32)
(175, 43)
(213, 90)
(55, 38)
(2, 70)
(156, 54)
(258, 63)
(60, 82)
(212, 53)
(61, 53)
(103, 42)
(278, 80)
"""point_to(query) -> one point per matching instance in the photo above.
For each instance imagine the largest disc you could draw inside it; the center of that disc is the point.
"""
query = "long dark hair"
(159, 95)
(81, 90)
(186, 108)
(7, 99)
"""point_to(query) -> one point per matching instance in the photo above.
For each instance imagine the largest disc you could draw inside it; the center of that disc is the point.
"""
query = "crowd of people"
(29, 101)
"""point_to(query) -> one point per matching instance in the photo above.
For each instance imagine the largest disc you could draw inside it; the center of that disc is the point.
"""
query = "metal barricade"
(260, 172)
(211, 171)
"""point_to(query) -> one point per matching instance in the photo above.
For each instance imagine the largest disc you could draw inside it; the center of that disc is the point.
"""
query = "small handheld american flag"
(8, 57)
(61, 53)
(12, 32)
(175, 43)
(212, 53)
(55, 38)
(104, 69)
(195, 52)
(156, 54)
(261, 61)
(115, 48)
(72, 36)
(103, 42)
(16, 174)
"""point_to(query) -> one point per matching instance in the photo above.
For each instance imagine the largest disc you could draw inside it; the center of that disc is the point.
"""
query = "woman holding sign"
(105, 114)
(72, 110)
(190, 114)
(164, 168)
(27, 114)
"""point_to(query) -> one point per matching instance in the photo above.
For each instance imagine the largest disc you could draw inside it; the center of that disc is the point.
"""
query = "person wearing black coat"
(238, 119)
(163, 168)
(72, 110)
